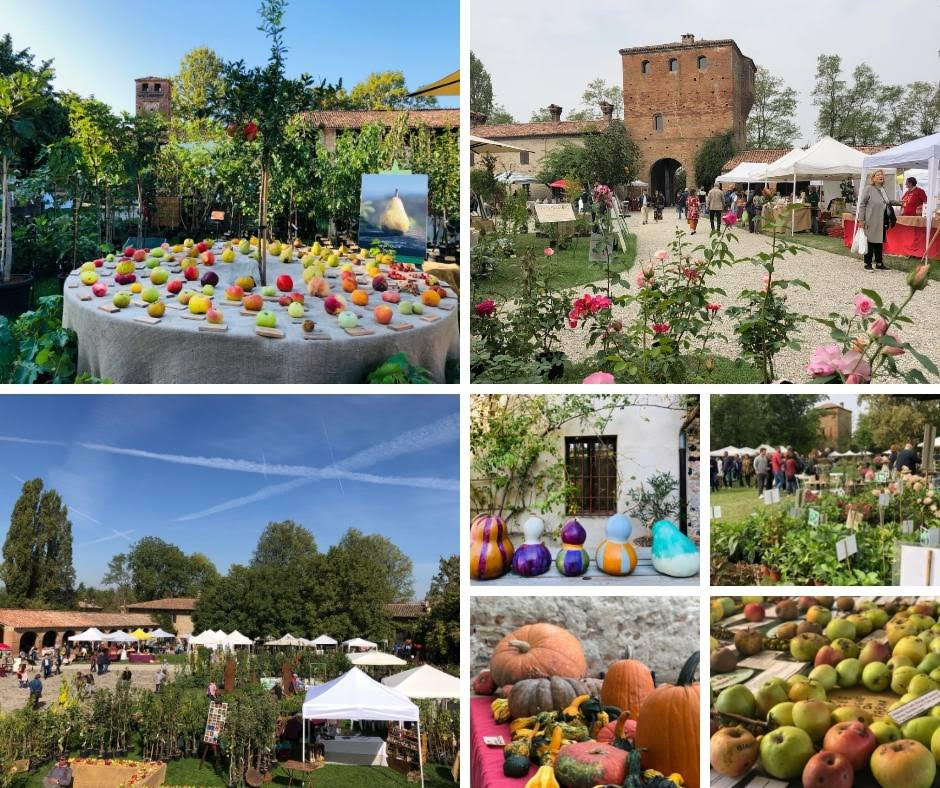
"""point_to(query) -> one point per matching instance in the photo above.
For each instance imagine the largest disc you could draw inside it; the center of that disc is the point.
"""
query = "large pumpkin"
(490, 548)
(537, 651)
(627, 684)
(533, 696)
(589, 763)
(667, 726)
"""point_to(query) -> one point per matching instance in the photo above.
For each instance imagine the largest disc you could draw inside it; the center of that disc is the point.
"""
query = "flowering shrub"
(586, 305)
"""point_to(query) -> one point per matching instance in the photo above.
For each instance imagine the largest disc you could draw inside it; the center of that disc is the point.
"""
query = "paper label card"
(768, 498)
(881, 477)
(716, 512)
(494, 741)
(846, 548)
(884, 500)
(812, 517)
(775, 495)
(907, 527)
(916, 707)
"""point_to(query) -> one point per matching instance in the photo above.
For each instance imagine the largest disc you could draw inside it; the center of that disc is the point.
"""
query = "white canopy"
(376, 658)
(936, 444)
(286, 640)
(161, 634)
(119, 637)
(324, 640)
(205, 638)
(745, 172)
(826, 157)
(747, 450)
(236, 638)
(638, 183)
(90, 635)
(729, 449)
(359, 643)
(356, 696)
(784, 161)
(484, 145)
(515, 177)
(923, 153)
(425, 682)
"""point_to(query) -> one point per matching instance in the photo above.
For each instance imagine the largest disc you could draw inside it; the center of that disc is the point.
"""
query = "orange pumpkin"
(667, 729)
(490, 548)
(627, 684)
(537, 651)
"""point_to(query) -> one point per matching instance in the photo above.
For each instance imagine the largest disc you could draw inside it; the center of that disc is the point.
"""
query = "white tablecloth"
(360, 750)
(175, 350)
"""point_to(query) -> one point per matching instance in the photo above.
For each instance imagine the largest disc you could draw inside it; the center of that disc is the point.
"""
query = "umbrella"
(561, 183)
(375, 658)
(445, 86)
(139, 634)
(485, 145)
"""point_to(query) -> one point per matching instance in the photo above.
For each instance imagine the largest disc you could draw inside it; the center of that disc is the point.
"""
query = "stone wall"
(693, 475)
(661, 631)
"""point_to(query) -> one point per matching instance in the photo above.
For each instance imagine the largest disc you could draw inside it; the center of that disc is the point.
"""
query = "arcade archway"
(48, 639)
(27, 641)
(663, 178)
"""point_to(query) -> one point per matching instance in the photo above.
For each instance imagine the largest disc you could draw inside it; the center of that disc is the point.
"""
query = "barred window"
(591, 465)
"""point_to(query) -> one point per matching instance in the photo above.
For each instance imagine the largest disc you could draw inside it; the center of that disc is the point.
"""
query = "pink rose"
(642, 281)
(823, 361)
(549, 251)
(599, 377)
(660, 328)
(890, 350)
(713, 307)
(878, 327)
(730, 219)
(661, 254)
(853, 365)
(863, 305)
(485, 308)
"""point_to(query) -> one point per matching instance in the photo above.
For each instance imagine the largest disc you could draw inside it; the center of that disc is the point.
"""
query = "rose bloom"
(661, 254)
(730, 219)
(917, 279)
(660, 328)
(823, 361)
(878, 327)
(599, 377)
(863, 305)
(485, 308)
(549, 251)
(713, 307)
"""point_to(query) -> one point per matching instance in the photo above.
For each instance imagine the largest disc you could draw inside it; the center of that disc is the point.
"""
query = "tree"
(922, 104)
(481, 88)
(386, 90)
(159, 569)
(541, 115)
(712, 156)
(439, 628)
(563, 161)
(894, 419)
(37, 551)
(830, 94)
(898, 122)
(200, 76)
(611, 157)
(202, 573)
(141, 136)
(598, 91)
(286, 546)
(500, 115)
(770, 123)
(119, 576)
(863, 113)
(791, 420)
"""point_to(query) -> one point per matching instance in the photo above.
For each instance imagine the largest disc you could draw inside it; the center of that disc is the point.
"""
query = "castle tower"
(676, 96)
(152, 94)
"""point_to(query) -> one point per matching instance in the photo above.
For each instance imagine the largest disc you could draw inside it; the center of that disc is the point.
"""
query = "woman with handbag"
(875, 215)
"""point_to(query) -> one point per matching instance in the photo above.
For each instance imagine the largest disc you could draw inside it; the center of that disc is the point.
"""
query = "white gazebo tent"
(321, 642)
(236, 638)
(90, 635)
(728, 449)
(374, 658)
(745, 172)
(285, 640)
(206, 638)
(355, 696)
(921, 153)
(425, 682)
(161, 634)
(360, 643)
(119, 637)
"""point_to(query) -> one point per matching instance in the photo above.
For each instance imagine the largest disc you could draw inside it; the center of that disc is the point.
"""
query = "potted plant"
(22, 95)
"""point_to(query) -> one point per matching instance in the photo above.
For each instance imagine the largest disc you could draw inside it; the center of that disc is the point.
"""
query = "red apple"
(806, 602)
(201, 247)
(253, 302)
(99, 262)
(285, 300)
(284, 283)
(379, 283)
(333, 304)
(383, 314)
(208, 258)
(828, 655)
(139, 256)
(191, 273)
(854, 740)
(174, 286)
(100, 289)
(295, 296)
(828, 770)
(754, 612)
(129, 251)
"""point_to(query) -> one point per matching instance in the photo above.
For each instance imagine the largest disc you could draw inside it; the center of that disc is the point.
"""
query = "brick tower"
(677, 95)
(152, 94)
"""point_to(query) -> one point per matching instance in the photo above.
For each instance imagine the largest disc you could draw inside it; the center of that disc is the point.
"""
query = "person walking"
(46, 667)
(681, 198)
(35, 691)
(659, 202)
(789, 470)
(692, 209)
(813, 199)
(907, 458)
(875, 216)
(645, 207)
(747, 470)
(761, 466)
(776, 467)
(715, 203)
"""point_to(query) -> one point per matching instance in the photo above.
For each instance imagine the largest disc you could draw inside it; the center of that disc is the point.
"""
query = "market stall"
(425, 682)
(252, 337)
(908, 238)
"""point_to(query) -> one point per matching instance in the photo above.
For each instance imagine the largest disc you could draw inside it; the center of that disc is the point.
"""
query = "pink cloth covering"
(486, 763)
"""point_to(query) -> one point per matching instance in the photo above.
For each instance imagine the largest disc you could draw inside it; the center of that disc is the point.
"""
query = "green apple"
(876, 676)
(769, 694)
(266, 319)
(863, 625)
(849, 648)
(268, 291)
(807, 690)
(896, 629)
(110, 258)
(150, 294)
(244, 247)
(736, 699)
(208, 290)
(825, 675)
(296, 309)
(877, 616)
(885, 731)
(159, 275)
(152, 262)
(812, 716)
(157, 252)
(849, 672)
(121, 299)
(929, 663)
(901, 677)
(911, 647)
(88, 277)
(819, 615)
(405, 307)
(417, 307)
(803, 647)
(840, 628)
(922, 622)
(781, 714)
(920, 729)
(785, 751)
(850, 714)
(935, 744)
(899, 662)
(921, 685)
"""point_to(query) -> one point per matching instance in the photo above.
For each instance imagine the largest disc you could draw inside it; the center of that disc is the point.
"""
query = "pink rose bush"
(485, 308)
(730, 219)
(603, 195)
(587, 305)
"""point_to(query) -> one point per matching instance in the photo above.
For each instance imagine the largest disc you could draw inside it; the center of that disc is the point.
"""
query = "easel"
(619, 224)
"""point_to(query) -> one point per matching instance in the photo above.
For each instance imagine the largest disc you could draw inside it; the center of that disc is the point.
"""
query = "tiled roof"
(405, 609)
(548, 129)
(141, 79)
(703, 44)
(770, 155)
(170, 603)
(20, 618)
(356, 119)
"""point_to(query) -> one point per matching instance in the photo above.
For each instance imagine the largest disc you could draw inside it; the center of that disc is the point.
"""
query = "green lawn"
(571, 267)
(738, 502)
(187, 772)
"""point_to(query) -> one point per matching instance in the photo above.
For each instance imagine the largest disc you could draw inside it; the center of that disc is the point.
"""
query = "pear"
(394, 219)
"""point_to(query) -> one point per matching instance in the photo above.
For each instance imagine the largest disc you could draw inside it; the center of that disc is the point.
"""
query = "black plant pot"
(16, 295)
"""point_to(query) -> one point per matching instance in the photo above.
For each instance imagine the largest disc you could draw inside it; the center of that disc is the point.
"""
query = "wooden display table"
(300, 771)
(95, 773)
(906, 239)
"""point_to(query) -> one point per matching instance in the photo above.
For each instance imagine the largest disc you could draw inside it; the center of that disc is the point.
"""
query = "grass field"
(738, 502)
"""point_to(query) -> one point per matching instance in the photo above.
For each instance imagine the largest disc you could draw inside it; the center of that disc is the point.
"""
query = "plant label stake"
(813, 517)
(716, 512)
(775, 495)
(845, 548)
(853, 519)
(768, 498)
(907, 527)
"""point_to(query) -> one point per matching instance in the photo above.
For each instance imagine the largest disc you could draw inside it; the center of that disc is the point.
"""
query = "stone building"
(178, 609)
(152, 94)
(835, 424)
(22, 629)
(335, 122)
(404, 616)
(677, 95)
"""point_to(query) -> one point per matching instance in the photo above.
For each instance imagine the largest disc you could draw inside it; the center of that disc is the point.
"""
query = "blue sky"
(209, 472)
(100, 46)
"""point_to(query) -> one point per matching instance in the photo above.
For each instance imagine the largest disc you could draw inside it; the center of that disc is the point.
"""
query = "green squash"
(516, 766)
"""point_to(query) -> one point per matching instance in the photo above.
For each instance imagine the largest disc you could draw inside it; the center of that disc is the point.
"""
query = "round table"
(126, 348)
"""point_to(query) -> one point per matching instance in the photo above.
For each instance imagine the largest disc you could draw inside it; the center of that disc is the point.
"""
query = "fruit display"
(844, 691)
(562, 731)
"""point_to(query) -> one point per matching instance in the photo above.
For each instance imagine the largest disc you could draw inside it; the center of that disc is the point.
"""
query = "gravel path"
(833, 279)
(142, 675)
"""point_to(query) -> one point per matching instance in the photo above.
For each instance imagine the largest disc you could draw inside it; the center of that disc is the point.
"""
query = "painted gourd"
(622, 729)
(627, 683)
(532, 557)
(589, 763)
(490, 548)
(667, 729)
(674, 554)
(537, 651)
(572, 559)
(615, 555)
(533, 696)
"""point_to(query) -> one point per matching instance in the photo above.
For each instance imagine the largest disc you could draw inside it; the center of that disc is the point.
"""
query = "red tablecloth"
(901, 239)
(486, 763)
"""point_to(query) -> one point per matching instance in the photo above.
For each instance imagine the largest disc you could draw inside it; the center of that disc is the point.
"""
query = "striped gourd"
(615, 555)
(490, 547)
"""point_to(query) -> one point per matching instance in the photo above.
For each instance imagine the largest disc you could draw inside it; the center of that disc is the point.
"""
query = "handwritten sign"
(548, 213)
(884, 500)
(915, 708)
(846, 548)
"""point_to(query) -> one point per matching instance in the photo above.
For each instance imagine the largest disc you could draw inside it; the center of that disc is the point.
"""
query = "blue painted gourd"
(674, 554)
(615, 555)
(572, 559)
(532, 557)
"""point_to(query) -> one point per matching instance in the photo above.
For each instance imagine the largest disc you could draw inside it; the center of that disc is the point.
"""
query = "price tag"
(907, 527)
(494, 741)
(716, 512)
(915, 708)
(884, 500)
(813, 517)
(846, 547)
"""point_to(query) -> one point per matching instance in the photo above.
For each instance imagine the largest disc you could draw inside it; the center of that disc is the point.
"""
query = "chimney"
(688, 38)
(477, 119)
(607, 110)
(555, 111)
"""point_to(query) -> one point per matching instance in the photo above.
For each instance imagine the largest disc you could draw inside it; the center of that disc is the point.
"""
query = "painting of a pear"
(393, 212)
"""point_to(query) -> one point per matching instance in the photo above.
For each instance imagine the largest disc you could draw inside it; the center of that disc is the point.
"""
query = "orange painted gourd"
(627, 683)
(490, 547)
(667, 729)
(616, 555)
